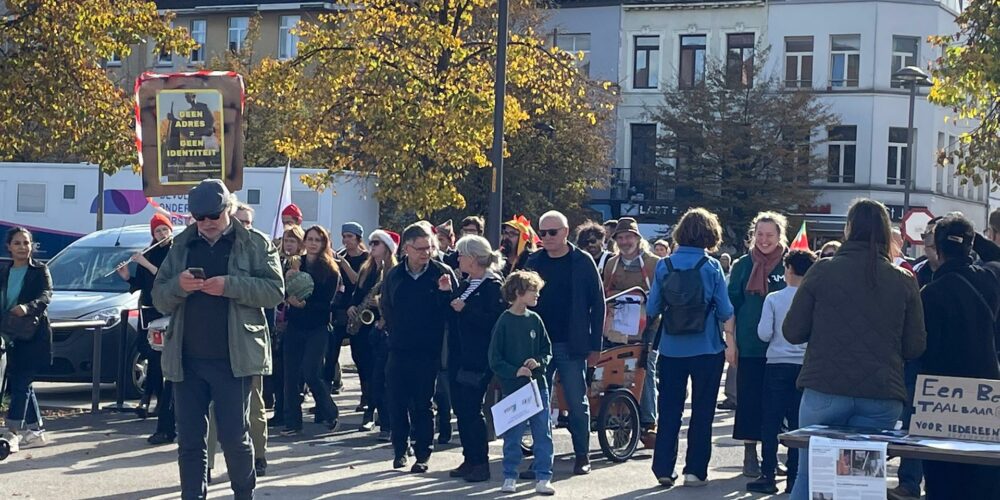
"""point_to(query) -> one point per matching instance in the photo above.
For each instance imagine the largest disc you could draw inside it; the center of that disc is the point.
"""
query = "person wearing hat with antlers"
(634, 266)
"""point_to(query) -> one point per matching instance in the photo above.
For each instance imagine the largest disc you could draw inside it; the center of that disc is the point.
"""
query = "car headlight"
(111, 316)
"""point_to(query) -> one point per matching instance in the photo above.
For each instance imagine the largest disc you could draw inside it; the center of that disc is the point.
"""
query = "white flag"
(283, 201)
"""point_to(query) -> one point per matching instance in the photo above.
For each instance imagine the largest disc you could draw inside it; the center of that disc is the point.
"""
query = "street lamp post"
(911, 77)
(495, 215)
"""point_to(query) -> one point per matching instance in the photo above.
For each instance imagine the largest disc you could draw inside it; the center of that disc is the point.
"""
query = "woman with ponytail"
(753, 277)
(862, 318)
(478, 305)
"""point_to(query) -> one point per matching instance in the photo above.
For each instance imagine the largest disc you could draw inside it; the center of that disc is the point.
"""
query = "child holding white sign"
(520, 351)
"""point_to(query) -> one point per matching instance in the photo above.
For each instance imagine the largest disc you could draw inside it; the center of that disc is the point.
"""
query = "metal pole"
(499, 89)
(100, 198)
(95, 368)
(909, 151)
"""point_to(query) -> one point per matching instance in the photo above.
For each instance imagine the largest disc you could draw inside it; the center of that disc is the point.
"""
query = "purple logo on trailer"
(121, 202)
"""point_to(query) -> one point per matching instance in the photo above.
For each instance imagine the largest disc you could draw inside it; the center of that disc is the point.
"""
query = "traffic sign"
(914, 223)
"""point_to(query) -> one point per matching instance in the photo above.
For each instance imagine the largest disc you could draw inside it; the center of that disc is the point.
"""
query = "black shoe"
(260, 466)
(780, 471)
(335, 389)
(275, 422)
(399, 462)
(419, 468)
(160, 438)
(462, 470)
(361, 408)
(142, 411)
(667, 482)
(384, 436)
(478, 474)
(582, 466)
(726, 405)
(763, 485)
(291, 432)
(444, 439)
(332, 424)
(528, 475)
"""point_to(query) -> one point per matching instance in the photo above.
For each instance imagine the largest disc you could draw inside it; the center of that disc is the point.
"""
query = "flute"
(143, 252)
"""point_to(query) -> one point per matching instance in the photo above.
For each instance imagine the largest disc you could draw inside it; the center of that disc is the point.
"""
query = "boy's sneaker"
(544, 487)
(691, 480)
(33, 438)
(763, 484)
(509, 486)
(13, 440)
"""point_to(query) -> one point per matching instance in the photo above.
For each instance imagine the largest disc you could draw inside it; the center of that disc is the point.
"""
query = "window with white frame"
(692, 60)
(198, 31)
(899, 156)
(939, 169)
(164, 57)
(646, 62)
(115, 59)
(798, 62)
(951, 167)
(842, 152)
(288, 40)
(904, 53)
(238, 27)
(577, 43)
(31, 198)
(739, 60)
(845, 60)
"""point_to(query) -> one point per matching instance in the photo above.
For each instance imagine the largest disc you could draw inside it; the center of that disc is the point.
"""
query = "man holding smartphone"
(216, 282)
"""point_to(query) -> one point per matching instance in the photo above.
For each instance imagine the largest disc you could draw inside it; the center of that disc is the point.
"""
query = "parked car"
(81, 291)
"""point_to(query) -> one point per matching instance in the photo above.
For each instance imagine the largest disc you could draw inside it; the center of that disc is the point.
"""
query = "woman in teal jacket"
(753, 277)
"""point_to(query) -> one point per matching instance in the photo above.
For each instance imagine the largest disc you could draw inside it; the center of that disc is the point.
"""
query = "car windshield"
(81, 268)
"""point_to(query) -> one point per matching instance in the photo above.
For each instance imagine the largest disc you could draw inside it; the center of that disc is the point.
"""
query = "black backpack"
(683, 293)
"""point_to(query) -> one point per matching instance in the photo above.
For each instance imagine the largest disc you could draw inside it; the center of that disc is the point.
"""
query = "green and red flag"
(801, 241)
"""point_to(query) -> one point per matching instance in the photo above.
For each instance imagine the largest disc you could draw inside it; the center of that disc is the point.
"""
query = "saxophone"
(364, 316)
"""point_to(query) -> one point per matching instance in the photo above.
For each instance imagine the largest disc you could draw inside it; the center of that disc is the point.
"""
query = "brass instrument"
(162, 242)
(365, 316)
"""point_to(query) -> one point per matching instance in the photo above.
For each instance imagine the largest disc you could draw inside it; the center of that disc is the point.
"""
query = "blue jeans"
(541, 435)
(911, 470)
(818, 408)
(212, 381)
(23, 409)
(705, 373)
(573, 378)
(781, 402)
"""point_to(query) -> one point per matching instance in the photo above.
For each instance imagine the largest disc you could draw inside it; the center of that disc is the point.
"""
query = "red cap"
(159, 220)
(292, 210)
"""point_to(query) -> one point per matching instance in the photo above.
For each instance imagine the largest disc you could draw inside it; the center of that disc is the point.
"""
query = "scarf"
(762, 267)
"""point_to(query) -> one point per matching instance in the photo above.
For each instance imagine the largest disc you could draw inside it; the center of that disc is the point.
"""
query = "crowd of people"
(434, 318)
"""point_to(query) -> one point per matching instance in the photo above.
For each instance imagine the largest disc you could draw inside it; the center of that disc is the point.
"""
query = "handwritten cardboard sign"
(956, 408)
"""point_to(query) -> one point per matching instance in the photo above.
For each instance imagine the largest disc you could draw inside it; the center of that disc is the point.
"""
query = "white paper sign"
(846, 469)
(521, 405)
(626, 318)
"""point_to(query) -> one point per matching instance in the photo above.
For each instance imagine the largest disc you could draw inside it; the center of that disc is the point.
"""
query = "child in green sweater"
(519, 352)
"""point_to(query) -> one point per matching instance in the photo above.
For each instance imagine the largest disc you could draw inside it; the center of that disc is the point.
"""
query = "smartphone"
(197, 272)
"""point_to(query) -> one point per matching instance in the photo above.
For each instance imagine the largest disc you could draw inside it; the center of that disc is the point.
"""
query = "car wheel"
(138, 367)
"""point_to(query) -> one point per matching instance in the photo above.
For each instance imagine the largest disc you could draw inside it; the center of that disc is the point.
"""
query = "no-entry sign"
(914, 223)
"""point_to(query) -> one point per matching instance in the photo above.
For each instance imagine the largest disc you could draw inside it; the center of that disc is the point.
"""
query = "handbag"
(469, 378)
(18, 327)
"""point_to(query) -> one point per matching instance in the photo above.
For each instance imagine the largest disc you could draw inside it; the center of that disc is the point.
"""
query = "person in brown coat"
(862, 317)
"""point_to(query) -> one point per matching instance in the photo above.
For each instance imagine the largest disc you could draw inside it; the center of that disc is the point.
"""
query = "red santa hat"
(388, 238)
(292, 210)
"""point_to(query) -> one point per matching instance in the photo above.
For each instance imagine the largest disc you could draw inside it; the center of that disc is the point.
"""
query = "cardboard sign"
(189, 128)
(956, 408)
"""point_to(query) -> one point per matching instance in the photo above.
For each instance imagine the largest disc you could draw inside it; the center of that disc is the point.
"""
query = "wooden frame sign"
(189, 127)
(956, 408)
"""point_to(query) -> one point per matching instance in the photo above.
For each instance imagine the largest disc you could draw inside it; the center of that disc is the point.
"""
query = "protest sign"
(956, 408)
(518, 407)
(189, 128)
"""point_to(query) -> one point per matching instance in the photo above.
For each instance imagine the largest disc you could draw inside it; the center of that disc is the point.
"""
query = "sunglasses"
(512, 234)
(825, 255)
(549, 232)
(375, 243)
(209, 217)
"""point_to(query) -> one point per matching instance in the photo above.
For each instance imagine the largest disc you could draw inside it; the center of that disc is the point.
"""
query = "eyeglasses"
(375, 243)
(426, 249)
(549, 232)
(201, 218)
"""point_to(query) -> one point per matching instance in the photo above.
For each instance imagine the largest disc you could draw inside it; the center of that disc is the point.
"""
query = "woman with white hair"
(478, 305)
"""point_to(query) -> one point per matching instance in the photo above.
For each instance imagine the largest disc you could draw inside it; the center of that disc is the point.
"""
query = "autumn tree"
(405, 90)
(735, 150)
(967, 79)
(57, 103)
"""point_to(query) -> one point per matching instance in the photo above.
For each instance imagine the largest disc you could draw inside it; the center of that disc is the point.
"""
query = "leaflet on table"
(846, 470)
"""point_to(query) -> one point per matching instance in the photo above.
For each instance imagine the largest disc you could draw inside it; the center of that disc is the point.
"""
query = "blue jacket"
(716, 294)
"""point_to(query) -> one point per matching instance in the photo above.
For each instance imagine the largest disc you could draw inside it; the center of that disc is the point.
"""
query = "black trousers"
(467, 401)
(411, 388)
(274, 384)
(378, 386)
(332, 374)
(361, 353)
(304, 361)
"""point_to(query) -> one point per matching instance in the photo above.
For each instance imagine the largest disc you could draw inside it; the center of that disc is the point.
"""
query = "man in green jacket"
(215, 283)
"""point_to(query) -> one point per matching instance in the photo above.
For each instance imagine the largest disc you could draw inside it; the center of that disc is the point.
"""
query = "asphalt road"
(106, 456)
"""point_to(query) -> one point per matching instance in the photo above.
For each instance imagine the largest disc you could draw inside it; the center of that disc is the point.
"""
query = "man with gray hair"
(415, 304)
(216, 265)
(572, 307)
